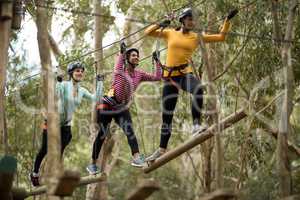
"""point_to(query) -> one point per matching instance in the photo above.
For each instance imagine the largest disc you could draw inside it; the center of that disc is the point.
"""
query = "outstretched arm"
(222, 35)
(155, 31)
(218, 37)
(99, 91)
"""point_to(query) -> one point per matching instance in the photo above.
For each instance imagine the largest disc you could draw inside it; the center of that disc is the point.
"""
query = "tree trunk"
(207, 147)
(54, 47)
(283, 163)
(219, 154)
(54, 166)
(5, 27)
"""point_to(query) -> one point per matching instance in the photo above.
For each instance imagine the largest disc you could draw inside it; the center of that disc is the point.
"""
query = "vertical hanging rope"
(34, 124)
(16, 139)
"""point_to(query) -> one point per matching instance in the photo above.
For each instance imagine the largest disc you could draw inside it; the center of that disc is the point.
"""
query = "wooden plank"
(293, 197)
(18, 193)
(144, 189)
(191, 143)
(22, 193)
(92, 179)
(221, 194)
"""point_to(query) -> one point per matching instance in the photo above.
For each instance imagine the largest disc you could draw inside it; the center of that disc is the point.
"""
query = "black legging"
(66, 136)
(123, 119)
(189, 83)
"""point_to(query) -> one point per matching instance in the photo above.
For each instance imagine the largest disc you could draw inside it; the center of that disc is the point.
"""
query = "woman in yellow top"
(177, 73)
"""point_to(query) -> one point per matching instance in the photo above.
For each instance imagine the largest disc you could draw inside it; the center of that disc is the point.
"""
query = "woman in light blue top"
(70, 95)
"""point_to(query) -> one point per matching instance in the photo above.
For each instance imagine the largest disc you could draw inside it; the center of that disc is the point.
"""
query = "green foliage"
(124, 5)
(261, 187)
(260, 59)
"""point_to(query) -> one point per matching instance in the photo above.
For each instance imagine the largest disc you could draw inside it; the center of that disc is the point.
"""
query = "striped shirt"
(125, 83)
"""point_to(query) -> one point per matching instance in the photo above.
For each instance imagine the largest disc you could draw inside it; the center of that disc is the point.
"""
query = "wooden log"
(92, 179)
(6, 8)
(36, 191)
(293, 197)
(23, 194)
(144, 189)
(191, 143)
(18, 13)
(221, 194)
(18, 193)
(66, 184)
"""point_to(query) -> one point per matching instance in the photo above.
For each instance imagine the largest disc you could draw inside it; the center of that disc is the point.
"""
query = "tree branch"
(228, 65)
(54, 47)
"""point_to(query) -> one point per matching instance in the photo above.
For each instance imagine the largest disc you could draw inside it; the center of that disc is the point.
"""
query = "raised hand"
(232, 13)
(123, 47)
(155, 56)
(165, 23)
(100, 77)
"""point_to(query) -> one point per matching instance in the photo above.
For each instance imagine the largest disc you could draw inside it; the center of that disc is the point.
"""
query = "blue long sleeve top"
(68, 103)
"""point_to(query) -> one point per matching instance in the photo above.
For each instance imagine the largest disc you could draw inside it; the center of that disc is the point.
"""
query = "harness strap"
(110, 103)
(103, 106)
(170, 70)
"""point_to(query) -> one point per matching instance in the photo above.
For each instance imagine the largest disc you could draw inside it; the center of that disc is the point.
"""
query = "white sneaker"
(154, 156)
(138, 162)
(197, 129)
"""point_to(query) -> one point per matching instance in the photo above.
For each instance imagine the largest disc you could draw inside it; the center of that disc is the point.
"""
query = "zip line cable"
(263, 38)
(124, 38)
(113, 43)
(87, 13)
(234, 34)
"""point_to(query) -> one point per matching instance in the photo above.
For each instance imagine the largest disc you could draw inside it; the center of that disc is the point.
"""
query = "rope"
(113, 43)
(263, 38)
(141, 132)
(145, 58)
(118, 41)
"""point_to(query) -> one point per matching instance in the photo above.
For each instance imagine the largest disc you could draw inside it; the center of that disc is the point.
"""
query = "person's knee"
(101, 136)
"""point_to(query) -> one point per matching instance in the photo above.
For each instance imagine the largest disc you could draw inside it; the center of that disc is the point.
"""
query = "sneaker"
(197, 129)
(138, 162)
(154, 156)
(34, 178)
(93, 169)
